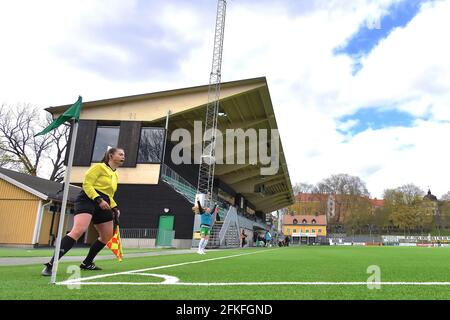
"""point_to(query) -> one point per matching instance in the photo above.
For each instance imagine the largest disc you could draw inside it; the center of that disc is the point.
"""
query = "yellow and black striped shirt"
(101, 177)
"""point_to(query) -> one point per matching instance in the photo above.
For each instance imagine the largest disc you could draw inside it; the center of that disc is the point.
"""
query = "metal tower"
(207, 161)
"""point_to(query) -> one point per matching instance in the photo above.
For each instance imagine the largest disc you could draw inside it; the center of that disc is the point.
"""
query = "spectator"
(267, 239)
(217, 214)
(243, 238)
(262, 239)
(286, 241)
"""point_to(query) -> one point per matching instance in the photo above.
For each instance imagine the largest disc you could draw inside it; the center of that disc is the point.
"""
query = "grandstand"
(155, 192)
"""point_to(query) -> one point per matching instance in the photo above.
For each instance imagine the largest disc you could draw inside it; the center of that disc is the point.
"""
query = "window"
(304, 221)
(320, 230)
(106, 136)
(288, 230)
(313, 230)
(295, 230)
(151, 145)
(295, 221)
(307, 230)
(314, 221)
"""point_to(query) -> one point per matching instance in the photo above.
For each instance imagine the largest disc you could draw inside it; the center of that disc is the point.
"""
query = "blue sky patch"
(371, 118)
(372, 32)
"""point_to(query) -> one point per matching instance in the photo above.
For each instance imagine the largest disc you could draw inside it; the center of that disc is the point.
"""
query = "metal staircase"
(229, 233)
(230, 240)
(232, 237)
(214, 240)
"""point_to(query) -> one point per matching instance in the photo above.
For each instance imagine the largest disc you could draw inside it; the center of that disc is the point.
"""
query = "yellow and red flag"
(115, 244)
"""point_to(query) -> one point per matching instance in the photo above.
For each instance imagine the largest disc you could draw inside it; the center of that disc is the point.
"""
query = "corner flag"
(72, 113)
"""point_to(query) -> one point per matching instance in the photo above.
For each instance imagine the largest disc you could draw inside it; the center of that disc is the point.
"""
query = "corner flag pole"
(64, 201)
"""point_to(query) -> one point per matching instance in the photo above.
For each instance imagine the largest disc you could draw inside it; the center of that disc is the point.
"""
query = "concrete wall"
(151, 243)
(182, 243)
(138, 243)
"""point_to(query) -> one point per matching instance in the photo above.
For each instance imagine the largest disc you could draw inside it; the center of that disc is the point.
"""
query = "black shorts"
(83, 204)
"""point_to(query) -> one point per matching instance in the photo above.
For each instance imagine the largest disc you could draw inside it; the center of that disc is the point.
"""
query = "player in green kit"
(205, 225)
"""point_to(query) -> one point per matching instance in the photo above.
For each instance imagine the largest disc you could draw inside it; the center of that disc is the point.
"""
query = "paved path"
(20, 261)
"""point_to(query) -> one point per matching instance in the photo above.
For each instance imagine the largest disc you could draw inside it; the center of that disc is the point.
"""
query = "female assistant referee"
(95, 202)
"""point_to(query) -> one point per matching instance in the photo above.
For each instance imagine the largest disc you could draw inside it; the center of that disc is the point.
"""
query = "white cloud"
(310, 86)
(410, 68)
(347, 125)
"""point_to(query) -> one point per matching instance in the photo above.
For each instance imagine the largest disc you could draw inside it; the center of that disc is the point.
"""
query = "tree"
(407, 208)
(6, 161)
(315, 205)
(381, 219)
(59, 138)
(446, 196)
(424, 211)
(303, 188)
(343, 184)
(358, 215)
(345, 189)
(444, 214)
(18, 125)
(396, 208)
(411, 193)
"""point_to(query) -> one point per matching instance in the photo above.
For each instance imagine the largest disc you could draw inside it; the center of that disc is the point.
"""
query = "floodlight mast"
(207, 161)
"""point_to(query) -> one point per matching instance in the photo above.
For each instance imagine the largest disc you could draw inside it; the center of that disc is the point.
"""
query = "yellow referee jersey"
(102, 178)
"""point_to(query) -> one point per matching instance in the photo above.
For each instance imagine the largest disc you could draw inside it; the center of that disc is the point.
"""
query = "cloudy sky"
(358, 86)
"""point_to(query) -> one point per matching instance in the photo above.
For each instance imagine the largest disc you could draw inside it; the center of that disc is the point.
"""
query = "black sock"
(66, 244)
(96, 247)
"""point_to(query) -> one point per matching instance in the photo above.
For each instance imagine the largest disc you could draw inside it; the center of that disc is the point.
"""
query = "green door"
(165, 231)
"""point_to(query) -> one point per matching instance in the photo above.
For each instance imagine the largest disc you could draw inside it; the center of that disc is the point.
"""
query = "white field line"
(170, 282)
(80, 280)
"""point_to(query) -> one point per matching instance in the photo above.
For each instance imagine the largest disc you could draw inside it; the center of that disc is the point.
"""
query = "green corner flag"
(72, 113)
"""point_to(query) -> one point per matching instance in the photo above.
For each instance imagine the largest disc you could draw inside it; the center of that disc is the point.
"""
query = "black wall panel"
(130, 132)
(84, 145)
(141, 206)
(187, 171)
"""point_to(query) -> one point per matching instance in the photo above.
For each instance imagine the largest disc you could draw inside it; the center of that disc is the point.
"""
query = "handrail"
(167, 172)
(230, 217)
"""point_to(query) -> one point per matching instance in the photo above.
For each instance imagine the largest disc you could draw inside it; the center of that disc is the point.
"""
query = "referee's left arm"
(89, 180)
(113, 204)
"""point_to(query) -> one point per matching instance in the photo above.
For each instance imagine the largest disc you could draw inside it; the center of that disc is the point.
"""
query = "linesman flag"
(72, 113)
(115, 244)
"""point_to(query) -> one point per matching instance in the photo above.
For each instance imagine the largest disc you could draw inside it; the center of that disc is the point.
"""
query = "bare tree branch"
(59, 137)
(18, 125)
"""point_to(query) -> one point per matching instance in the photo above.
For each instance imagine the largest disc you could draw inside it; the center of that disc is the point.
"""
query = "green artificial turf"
(256, 265)
(13, 252)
